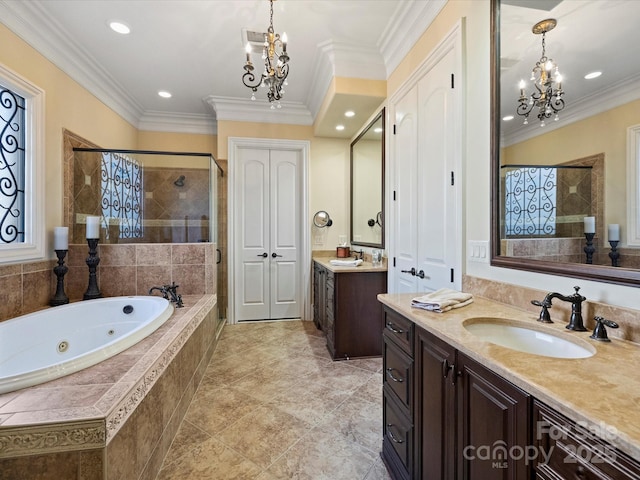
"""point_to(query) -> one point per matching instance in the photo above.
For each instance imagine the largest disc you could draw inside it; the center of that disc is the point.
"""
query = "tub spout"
(169, 292)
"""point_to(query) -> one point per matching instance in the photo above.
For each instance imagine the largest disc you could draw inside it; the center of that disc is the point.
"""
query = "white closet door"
(267, 218)
(285, 282)
(252, 219)
(437, 212)
(404, 230)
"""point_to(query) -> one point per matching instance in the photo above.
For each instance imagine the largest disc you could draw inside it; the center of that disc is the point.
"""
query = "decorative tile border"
(73, 436)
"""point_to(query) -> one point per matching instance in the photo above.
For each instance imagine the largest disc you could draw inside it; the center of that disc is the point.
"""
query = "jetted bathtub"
(55, 342)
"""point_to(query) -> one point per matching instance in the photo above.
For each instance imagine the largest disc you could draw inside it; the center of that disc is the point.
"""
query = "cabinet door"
(493, 418)
(435, 407)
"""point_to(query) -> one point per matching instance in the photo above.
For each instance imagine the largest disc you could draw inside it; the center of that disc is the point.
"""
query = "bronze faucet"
(575, 322)
(169, 292)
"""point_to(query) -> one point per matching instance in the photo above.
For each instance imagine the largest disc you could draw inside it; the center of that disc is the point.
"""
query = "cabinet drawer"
(397, 433)
(398, 372)
(567, 450)
(399, 329)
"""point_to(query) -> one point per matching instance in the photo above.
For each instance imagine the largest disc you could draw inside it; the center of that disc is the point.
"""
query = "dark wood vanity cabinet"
(568, 450)
(448, 417)
(347, 310)
(456, 406)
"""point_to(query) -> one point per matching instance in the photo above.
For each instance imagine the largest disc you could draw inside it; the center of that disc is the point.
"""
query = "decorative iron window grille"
(121, 196)
(12, 166)
(530, 201)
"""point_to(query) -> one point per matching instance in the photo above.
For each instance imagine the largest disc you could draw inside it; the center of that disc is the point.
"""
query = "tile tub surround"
(273, 406)
(123, 270)
(601, 391)
(121, 414)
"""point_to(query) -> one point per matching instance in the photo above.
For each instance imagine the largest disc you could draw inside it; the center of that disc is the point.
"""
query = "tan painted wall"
(178, 142)
(603, 133)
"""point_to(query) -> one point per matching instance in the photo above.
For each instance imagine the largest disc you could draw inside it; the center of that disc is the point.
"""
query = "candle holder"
(92, 261)
(589, 249)
(60, 298)
(614, 255)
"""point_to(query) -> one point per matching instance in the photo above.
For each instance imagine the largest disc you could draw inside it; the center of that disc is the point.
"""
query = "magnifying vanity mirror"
(322, 219)
(548, 174)
(367, 185)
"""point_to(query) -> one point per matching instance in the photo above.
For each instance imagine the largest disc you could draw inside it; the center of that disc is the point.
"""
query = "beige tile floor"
(273, 405)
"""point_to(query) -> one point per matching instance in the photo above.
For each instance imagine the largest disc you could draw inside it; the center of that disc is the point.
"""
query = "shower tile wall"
(172, 214)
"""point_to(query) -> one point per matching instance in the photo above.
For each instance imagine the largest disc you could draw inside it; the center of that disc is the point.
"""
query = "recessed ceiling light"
(120, 27)
(507, 118)
(164, 94)
(591, 75)
(349, 113)
(339, 127)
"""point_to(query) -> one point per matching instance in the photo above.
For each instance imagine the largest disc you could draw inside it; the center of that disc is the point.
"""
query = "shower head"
(180, 181)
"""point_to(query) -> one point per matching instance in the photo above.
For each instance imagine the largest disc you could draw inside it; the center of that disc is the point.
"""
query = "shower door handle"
(263, 255)
(219, 253)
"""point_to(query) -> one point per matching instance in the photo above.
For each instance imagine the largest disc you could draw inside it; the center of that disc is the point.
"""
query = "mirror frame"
(598, 273)
(380, 116)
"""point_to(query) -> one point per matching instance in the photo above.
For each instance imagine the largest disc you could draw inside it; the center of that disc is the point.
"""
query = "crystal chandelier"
(547, 95)
(276, 67)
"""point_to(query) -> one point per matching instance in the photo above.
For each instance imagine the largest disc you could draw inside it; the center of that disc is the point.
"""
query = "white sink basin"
(522, 337)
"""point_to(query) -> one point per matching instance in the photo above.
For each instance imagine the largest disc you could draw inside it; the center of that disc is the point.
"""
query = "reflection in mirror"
(591, 131)
(367, 185)
(144, 197)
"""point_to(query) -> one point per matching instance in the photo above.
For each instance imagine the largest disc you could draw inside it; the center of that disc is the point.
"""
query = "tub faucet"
(575, 322)
(169, 292)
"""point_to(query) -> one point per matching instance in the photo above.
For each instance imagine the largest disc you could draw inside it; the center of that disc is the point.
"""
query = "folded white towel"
(442, 300)
(346, 263)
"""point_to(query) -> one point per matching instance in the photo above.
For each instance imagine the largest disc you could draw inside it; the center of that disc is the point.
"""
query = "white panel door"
(285, 234)
(405, 154)
(267, 218)
(252, 221)
(438, 210)
(425, 246)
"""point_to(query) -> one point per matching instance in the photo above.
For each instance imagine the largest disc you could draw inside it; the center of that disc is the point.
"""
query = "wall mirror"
(583, 156)
(367, 185)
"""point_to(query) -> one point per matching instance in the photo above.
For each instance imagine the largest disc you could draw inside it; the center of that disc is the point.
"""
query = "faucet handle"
(600, 333)
(544, 313)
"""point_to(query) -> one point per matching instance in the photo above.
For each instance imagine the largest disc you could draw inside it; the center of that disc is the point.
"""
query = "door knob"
(412, 271)
(263, 255)
(420, 274)
(273, 255)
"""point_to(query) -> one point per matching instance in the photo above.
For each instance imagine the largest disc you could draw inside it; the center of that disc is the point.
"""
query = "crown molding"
(260, 111)
(30, 22)
(405, 28)
(605, 99)
(204, 124)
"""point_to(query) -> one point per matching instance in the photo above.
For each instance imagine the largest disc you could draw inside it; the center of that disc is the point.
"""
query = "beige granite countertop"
(602, 392)
(363, 267)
